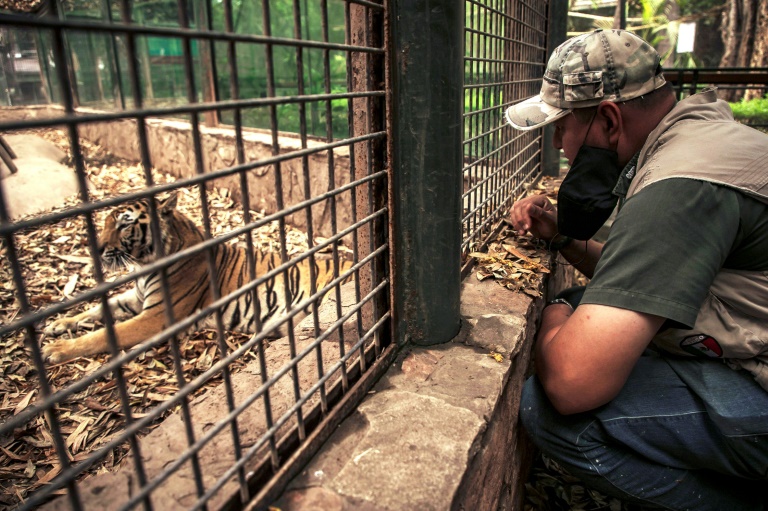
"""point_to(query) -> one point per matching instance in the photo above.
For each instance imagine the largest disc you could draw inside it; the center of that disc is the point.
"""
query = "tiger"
(126, 241)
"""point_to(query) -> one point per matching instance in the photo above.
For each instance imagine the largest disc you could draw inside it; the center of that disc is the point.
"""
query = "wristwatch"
(561, 300)
(559, 242)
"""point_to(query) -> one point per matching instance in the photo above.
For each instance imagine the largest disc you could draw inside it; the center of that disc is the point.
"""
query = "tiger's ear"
(166, 206)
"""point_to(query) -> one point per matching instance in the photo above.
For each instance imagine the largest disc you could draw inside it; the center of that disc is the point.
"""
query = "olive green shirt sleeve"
(670, 240)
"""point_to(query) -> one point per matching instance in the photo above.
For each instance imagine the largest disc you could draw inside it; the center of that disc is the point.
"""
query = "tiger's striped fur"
(126, 241)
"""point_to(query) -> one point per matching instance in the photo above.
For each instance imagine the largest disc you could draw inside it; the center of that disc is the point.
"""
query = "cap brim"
(533, 113)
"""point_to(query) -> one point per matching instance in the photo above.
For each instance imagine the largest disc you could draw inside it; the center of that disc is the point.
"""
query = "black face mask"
(586, 199)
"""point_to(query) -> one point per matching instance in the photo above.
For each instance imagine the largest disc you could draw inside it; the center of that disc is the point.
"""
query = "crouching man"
(652, 384)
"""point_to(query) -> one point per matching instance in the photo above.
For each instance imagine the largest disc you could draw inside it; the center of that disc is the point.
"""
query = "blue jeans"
(683, 433)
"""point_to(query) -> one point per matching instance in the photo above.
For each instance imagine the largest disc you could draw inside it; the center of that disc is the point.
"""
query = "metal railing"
(728, 81)
(505, 56)
(277, 397)
(691, 80)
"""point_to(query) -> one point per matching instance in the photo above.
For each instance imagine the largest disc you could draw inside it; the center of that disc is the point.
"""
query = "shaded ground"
(550, 488)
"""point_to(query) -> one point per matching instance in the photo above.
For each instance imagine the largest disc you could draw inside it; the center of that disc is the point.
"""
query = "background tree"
(658, 22)
(744, 31)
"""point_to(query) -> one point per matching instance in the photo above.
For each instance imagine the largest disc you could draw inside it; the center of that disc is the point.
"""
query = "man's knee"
(549, 430)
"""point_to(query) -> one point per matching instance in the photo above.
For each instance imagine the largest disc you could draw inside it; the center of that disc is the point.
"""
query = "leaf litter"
(56, 264)
(551, 488)
(515, 261)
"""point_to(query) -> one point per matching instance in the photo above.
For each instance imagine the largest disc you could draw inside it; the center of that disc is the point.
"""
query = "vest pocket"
(716, 334)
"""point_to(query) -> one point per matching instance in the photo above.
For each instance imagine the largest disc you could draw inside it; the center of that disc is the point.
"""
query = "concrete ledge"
(440, 429)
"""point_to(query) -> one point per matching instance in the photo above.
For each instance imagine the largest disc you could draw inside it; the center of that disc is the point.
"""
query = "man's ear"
(613, 121)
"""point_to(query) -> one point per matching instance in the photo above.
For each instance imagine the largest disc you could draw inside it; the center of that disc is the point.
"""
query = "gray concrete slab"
(440, 430)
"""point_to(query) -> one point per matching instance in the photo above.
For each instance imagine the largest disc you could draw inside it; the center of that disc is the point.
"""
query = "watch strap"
(559, 242)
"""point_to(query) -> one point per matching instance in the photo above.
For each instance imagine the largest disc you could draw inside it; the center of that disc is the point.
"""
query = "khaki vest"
(699, 139)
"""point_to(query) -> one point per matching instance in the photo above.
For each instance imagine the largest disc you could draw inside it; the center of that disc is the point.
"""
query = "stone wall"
(171, 150)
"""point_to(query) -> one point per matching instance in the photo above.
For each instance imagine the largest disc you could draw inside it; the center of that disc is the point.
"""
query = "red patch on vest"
(702, 345)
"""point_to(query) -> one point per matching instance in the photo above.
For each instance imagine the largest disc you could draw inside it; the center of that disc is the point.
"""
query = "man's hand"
(535, 214)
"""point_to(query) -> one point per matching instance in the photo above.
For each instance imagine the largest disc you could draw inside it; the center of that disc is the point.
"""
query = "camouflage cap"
(604, 65)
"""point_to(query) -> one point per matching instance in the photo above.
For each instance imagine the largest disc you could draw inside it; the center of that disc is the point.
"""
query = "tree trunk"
(730, 32)
(744, 31)
(760, 48)
(748, 10)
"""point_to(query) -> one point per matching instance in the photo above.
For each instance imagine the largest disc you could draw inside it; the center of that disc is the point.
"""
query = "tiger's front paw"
(58, 351)
(61, 326)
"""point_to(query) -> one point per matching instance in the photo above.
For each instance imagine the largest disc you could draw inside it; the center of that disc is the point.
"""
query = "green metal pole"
(558, 28)
(426, 115)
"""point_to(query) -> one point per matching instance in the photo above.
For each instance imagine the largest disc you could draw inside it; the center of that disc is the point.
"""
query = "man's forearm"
(583, 255)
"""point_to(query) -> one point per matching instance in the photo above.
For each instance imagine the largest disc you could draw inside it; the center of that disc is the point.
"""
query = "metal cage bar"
(426, 120)
(211, 55)
(504, 58)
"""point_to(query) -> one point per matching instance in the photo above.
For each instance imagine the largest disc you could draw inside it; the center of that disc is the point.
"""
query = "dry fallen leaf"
(512, 250)
(498, 357)
(30, 470)
(24, 402)
(71, 283)
(74, 259)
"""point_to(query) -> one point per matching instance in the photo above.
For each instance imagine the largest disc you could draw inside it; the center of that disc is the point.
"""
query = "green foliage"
(754, 111)
(685, 60)
(650, 19)
(290, 79)
(101, 61)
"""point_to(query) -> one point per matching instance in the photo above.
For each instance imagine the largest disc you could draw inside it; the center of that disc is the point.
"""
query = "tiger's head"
(126, 238)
